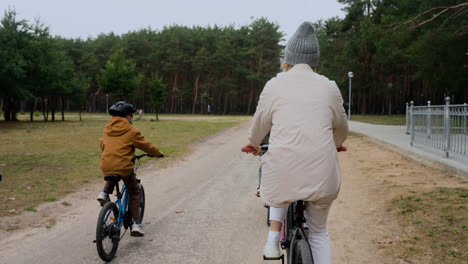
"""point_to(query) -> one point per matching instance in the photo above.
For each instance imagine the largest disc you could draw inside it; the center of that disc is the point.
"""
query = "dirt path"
(203, 210)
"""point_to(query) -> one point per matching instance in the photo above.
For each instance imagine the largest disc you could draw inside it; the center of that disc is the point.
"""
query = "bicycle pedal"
(280, 258)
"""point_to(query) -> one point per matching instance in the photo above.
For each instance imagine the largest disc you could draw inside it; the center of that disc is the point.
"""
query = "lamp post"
(390, 86)
(350, 76)
(107, 103)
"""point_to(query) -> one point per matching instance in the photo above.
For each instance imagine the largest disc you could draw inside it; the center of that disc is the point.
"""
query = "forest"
(398, 50)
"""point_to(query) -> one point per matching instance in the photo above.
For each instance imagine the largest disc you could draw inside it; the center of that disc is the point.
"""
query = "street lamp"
(350, 76)
(107, 103)
(390, 86)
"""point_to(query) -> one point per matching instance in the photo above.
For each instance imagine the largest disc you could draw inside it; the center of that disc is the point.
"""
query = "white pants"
(316, 221)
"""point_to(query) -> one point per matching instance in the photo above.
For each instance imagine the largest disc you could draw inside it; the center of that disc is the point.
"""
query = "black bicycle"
(115, 215)
(294, 235)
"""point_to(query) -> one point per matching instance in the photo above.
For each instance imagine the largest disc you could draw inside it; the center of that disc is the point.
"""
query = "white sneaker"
(137, 230)
(272, 250)
(103, 198)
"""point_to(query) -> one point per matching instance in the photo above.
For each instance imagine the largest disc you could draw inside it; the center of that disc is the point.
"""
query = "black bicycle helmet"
(122, 109)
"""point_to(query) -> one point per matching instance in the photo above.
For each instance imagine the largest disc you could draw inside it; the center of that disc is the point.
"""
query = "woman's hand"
(250, 148)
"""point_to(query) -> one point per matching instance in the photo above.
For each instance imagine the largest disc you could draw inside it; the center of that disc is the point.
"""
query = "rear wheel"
(142, 203)
(107, 233)
(289, 228)
(301, 253)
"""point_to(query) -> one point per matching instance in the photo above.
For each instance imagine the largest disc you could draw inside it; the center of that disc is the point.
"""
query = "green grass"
(434, 224)
(396, 120)
(43, 161)
(30, 209)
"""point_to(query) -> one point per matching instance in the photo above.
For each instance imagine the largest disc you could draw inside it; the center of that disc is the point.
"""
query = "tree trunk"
(33, 107)
(250, 87)
(196, 93)
(45, 110)
(53, 107)
(63, 108)
(250, 101)
(15, 111)
(6, 113)
(226, 100)
(174, 89)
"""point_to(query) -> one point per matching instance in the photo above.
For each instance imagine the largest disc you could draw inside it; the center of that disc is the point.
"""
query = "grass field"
(396, 120)
(43, 161)
(435, 223)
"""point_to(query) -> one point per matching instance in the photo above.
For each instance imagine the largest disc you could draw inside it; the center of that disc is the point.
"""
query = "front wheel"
(301, 253)
(107, 233)
(268, 215)
(142, 203)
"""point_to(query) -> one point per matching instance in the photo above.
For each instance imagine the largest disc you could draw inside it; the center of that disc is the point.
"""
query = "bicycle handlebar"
(142, 155)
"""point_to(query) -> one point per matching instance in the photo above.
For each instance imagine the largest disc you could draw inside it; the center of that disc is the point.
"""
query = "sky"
(89, 18)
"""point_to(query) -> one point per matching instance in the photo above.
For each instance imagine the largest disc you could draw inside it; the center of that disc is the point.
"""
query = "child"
(118, 148)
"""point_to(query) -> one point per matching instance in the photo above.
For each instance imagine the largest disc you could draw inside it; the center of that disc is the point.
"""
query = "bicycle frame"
(122, 204)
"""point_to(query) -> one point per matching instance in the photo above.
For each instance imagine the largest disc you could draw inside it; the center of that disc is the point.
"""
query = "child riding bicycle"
(118, 148)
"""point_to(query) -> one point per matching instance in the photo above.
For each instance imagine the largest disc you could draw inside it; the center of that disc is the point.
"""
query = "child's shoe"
(103, 198)
(137, 229)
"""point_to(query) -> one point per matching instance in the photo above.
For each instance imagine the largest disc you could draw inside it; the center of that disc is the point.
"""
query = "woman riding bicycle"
(304, 111)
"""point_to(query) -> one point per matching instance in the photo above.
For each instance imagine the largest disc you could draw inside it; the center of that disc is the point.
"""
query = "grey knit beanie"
(303, 47)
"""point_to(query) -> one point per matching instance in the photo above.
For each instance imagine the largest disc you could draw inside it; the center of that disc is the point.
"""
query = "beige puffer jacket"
(304, 111)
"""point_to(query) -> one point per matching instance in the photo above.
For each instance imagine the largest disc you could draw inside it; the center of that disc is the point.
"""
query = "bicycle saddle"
(112, 178)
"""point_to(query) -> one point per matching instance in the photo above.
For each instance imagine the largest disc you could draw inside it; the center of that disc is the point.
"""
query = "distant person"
(118, 148)
(304, 111)
(140, 114)
(209, 109)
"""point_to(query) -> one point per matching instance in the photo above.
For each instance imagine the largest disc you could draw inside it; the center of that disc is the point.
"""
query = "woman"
(304, 111)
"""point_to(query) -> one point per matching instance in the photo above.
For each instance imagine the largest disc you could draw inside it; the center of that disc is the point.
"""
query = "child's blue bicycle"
(115, 215)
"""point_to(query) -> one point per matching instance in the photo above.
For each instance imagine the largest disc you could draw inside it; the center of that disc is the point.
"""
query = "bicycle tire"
(268, 215)
(142, 203)
(302, 253)
(289, 228)
(107, 235)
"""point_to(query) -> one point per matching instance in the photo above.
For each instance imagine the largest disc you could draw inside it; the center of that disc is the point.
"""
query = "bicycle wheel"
(302, 253)
(107, 233)
(289, 228)
(268, 215)
(142, 203)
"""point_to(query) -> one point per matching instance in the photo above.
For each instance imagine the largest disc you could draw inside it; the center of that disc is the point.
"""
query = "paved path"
(396, 136)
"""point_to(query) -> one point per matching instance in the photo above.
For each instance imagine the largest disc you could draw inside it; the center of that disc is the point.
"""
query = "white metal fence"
(443, 127)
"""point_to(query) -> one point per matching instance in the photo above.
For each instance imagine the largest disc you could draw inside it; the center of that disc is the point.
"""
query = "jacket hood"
(117, 126)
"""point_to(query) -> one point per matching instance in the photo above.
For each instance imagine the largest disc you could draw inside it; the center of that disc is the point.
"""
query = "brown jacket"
(118, 146)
